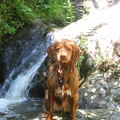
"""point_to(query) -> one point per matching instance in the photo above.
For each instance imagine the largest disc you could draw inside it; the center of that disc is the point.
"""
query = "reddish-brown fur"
(64, 54)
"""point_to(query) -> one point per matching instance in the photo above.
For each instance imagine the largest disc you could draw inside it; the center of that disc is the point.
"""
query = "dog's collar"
(60, 81)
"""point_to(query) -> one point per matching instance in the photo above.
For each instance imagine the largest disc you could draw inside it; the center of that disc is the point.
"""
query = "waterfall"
(20, 79)
(18, 87)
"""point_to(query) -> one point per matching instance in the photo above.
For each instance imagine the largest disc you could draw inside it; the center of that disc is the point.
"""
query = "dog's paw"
(46, 116)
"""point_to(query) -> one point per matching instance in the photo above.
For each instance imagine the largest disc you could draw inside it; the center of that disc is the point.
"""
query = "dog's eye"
(58, 48)
(69, 48)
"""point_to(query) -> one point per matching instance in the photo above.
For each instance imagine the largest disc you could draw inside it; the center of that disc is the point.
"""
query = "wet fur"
(64, 98)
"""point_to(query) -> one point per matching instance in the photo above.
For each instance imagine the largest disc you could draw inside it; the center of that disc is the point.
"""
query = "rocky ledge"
(99, 99)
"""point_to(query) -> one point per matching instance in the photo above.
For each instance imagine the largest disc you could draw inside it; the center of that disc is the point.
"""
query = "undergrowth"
(81, 42)
(14, 14)
(111, 68)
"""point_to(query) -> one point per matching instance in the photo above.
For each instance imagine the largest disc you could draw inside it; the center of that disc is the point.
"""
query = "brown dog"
(62, 84)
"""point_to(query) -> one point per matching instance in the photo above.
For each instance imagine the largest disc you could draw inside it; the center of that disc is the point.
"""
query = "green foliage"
(13, 15)
(111, 68)
(85, 10)
(57, 11)
(82, 41)
(79, 62)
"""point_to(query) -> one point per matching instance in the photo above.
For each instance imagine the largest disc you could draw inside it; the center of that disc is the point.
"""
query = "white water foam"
(18, 87)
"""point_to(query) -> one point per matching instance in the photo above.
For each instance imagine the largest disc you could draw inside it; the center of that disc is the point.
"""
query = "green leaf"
(10, 30)
(82, 57)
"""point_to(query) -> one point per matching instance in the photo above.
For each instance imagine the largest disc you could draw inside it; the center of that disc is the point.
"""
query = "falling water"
(18, 82)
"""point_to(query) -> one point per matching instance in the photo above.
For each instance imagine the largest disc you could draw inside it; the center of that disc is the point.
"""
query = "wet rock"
(19, 47)
(38, 89)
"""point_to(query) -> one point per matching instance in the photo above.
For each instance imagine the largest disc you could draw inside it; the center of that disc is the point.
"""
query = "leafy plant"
(111, 68)
(82, 39)
(57, 11)
(13, 15)
(79, 63)
(82, 44)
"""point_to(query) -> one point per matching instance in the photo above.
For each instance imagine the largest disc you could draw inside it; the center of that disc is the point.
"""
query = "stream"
(99, 27)
(15, 103)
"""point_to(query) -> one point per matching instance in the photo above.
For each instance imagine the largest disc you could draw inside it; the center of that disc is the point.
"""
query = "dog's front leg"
(72, 108)
(51, 102)
(73, 105)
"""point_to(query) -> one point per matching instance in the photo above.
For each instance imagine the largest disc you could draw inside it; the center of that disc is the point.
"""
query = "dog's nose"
(63, 55)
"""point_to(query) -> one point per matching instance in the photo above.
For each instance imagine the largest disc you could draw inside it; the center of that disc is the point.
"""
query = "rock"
(79, 9)
(115, 116)
(100, 96)
(84, 114)
(98, 114)
(20, 47)
(56, 116)
(101, 33)
(38, 89)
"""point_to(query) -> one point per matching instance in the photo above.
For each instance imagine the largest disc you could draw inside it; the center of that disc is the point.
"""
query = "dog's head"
(63, 51)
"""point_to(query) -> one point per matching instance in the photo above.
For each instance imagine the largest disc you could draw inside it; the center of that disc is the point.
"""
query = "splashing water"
(20, 84)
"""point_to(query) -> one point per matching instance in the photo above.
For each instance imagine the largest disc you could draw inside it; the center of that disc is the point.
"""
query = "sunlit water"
(23, 110)
(15, 103)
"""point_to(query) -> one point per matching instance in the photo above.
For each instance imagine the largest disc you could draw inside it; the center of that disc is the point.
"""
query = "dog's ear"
(76, 52)
(50, 51)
